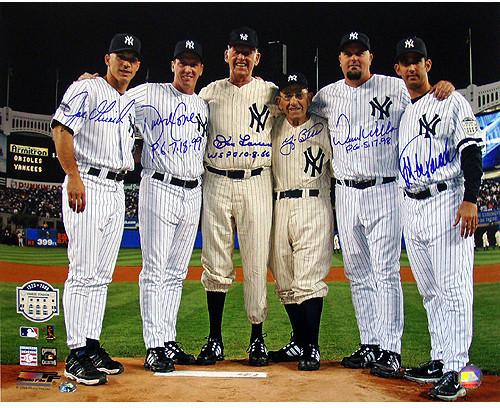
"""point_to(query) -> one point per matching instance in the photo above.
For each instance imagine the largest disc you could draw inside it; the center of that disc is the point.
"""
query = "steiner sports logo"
(37, 301)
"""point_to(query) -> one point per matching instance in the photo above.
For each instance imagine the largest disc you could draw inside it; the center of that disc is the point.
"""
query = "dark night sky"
(39, 38)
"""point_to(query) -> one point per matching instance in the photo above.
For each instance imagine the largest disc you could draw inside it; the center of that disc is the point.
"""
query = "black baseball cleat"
(157, 361)
(309, 361)
(289, 352)
(448, 388)
(175, 352)
(101, 359)
(363, 357)
(387, 364)
(257, 353)
(79, 368)
(428, 372)
(211, 352)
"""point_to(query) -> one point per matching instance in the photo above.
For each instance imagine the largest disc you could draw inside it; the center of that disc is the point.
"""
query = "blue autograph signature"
(288, 144)
(102, 113)
(178, 118)
(221, 141)
(384, 129)
(413, 169)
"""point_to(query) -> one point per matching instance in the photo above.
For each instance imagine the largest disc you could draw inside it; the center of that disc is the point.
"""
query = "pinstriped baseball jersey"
(307, 144)
(363, 124)
(302, 227)
(102, 122)
(239, 137)
(174, 128)
(432, 135)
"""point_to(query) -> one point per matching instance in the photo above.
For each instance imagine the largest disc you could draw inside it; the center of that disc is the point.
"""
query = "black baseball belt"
(111, 175)
(296, 194)
(422, 195)
(176, 181)
(235, 174)
(365, 183)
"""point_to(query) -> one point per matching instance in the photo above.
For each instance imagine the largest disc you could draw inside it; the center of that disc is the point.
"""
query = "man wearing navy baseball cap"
(302, 239)
(445, 255)
(237, 192)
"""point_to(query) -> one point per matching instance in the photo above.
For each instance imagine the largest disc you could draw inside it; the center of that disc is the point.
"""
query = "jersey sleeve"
(207, 92)
(467, 131)
(273, 108)
(74, 107)
(318, 104)
(139, 94)
(404, 94)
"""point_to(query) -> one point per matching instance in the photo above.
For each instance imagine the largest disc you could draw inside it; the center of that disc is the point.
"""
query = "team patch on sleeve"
(64, 107)
(470, 126)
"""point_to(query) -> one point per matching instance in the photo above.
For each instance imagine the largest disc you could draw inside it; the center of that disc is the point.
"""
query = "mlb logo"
(28, 356)
(30, 332)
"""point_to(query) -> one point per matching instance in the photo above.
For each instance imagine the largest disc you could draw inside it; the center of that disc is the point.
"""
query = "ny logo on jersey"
(292, 78)
(382, 109)
(409, 43)
(202, 126)
(190, 44)
(129, 40)
(314, 162)
(428, 127)
(258, 118)
(244, 37)
(353, 36)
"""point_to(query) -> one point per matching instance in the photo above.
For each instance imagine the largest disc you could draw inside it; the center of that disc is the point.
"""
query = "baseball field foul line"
(214, 374)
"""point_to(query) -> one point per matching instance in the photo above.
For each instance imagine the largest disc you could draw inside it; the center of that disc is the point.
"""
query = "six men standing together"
(361, 130)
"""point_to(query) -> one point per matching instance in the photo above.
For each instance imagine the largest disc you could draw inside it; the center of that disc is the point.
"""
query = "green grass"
(132, 257)
(122, 333)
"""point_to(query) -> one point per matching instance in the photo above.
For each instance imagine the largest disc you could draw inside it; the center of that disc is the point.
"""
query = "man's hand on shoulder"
(442, 90)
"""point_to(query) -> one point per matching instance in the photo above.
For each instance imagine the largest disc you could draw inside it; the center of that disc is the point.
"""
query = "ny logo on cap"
(353, 36)
(190, 44)
(244, 37)
(409, 43)
(292, 78)
(129, 40)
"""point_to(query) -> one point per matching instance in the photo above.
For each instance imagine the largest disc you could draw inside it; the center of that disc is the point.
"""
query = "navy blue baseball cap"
(125, 42)
(244, 36)
(410, 44)
(291, 79)
(188, 47)
(354, 37)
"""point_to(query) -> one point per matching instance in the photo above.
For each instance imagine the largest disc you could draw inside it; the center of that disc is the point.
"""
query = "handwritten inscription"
(362, 138)
(288, 144)
(104, 112)
(413, 167)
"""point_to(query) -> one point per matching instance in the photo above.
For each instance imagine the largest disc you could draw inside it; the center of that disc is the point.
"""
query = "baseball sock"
(93, 344)
(311, 312)
(293, 311)
(256, 331)
(215, 303)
